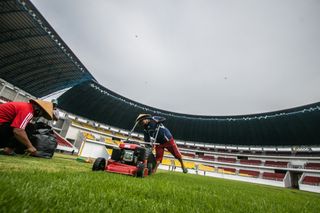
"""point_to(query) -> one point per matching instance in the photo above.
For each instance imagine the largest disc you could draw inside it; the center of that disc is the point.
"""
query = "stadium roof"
(33, 57)
(296, 126)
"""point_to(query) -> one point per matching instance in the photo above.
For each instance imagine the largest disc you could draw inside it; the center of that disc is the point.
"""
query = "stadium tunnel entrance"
(295, 177)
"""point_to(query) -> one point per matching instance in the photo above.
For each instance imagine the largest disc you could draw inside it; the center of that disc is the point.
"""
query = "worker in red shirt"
(14, 117)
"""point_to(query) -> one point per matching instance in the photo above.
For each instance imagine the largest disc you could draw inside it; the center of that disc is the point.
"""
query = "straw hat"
(46, 106)
(142, 116)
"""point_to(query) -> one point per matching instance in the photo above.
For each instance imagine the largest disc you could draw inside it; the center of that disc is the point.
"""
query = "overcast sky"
(207, 57)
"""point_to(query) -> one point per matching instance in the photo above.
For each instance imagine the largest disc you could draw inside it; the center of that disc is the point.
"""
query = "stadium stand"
(206, 168)
(208, 157)
(225, 170)
(310, 165)
(276, 163)
(227, 160)
(89, 136)
(249, 173)
(311, 180)
(188, 154)
(273, 176)
(166, 161)
(250, 162)
(31, 51)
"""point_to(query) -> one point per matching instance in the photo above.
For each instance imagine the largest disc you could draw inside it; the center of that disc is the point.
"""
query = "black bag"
(42, 138)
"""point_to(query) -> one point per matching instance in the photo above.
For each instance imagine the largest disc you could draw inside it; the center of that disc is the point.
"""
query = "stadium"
(278, 150)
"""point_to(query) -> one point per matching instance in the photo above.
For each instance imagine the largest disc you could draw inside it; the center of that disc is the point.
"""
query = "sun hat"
(46, 106)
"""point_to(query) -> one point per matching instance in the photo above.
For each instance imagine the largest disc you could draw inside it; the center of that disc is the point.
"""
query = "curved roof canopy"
(34, 58)
(296, 126)
(32, 55)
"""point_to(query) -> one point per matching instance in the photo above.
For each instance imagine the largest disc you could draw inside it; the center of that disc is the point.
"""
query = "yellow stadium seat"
(206, 168)
(166, 161)
(119, 134)
(88, 136)
(226, 172)
(107, 131)
(177, 163)
(109, 151)
(108, 140)
(117, 142)
(245, 175)
(189, 165)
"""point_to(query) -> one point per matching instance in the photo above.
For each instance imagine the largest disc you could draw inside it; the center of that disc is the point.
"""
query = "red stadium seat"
(187, 154)
(273, 176)
(312, 166)
(250, 162)
(250, 173)
(227, 160)
(310, 180)
(227, 170)
(276, 163)
(208, 157)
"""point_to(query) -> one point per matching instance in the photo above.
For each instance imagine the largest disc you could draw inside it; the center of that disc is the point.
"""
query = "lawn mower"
(134, 158)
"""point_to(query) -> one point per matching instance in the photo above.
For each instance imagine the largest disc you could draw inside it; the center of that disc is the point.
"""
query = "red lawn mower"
(133, 158)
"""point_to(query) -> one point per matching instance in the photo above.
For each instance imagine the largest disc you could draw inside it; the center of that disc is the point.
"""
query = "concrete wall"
(93, 150)
(306, 187)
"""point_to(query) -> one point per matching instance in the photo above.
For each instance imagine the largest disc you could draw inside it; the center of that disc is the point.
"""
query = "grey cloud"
(197, 57)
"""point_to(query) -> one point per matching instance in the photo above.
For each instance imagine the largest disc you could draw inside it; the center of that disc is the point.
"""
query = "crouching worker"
(165, 139)
(14, 117)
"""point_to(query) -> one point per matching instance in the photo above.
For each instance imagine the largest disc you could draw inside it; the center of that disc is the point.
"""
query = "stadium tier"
(227, 160)
(311, 180)
(250, 162)
(249, 173)
(276, 163)
(273, 176)
(279, 148)
(312, 166)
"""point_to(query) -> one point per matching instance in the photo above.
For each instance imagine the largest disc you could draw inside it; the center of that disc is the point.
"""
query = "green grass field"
(64, 185)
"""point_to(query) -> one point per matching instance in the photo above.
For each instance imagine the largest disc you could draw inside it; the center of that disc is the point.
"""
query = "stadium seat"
(227, 160)
(208, 157)
(190, 155)
(206, 168)
(167, 153)
(311, 180)
(224, 170)
(249, 173)
(276, 163)
(273, 176)
(109, 141)
(250, 162)
(189, 165)
(312, 166)
(109, 151)
(166, 161)
(88, 135)
(177, 163)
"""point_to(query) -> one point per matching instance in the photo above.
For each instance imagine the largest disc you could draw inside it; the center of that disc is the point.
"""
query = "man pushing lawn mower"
(153, 127)
(135, 158)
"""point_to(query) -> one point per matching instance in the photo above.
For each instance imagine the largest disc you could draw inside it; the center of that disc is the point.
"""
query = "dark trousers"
(6, 135)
